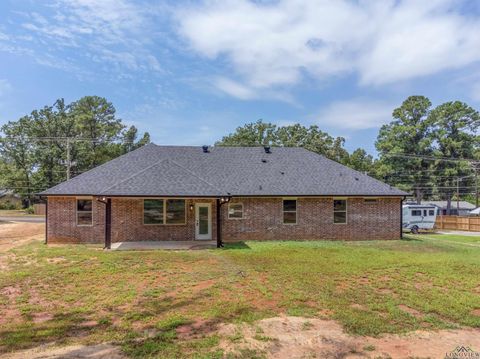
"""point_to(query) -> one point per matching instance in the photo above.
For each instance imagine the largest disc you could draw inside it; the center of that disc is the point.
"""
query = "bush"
(7, 205)
(30, 210)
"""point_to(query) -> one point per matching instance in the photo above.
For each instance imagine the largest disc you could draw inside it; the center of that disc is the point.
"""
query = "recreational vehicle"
(418, 216)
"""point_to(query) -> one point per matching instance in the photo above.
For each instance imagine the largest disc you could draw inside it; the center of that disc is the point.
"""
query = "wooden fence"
(39, 208)
(458, 223)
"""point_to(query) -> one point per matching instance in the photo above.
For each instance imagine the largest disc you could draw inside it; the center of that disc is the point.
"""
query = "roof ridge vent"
(267, 149)
(205, 149)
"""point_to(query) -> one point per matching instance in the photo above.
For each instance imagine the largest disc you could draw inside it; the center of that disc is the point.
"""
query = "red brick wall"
(127, 222)
(62, 227)
(263, 220)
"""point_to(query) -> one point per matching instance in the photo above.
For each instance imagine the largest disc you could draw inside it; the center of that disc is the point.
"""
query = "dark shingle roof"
(241, 171)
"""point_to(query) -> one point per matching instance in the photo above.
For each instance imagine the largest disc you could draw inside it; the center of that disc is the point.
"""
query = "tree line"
(46, 147)
(430, 152)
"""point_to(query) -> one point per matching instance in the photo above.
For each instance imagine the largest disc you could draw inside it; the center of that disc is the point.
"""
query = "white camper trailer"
(418, 216)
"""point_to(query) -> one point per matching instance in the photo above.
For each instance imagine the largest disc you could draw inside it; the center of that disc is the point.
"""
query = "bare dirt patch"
(410, 311)
(8, 311)
(476, 312)
(99, 351)
(15, 234)
(296, 337)
(42, 317)
(386, 291)
(197, 329)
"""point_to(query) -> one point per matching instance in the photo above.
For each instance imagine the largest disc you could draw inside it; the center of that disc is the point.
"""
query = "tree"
(252, 134)
(361, 161)
(35, 148)
(131, 141)
(403, 142)
(17, 157)
(454, 136)
(311, 138)
(96, 122)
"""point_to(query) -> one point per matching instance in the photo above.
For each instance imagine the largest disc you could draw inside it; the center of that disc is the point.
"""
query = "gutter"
(228, 194)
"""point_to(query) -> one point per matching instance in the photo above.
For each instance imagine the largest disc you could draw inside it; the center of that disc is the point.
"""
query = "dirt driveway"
(14, 234)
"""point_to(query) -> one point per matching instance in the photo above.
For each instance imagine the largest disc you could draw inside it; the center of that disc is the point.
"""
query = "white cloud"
(234, 89)
(356, 114)
(274, 44)
(114, 32)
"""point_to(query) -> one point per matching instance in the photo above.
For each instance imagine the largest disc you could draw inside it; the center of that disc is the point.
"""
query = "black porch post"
(108, 223)
(401, 217)
(219, 225)
(46, 220)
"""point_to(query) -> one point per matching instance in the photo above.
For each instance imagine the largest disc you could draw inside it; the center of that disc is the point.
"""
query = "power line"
(427, 157)
(73, 139)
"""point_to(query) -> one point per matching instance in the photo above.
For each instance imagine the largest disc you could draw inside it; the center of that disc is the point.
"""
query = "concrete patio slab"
(169, 245)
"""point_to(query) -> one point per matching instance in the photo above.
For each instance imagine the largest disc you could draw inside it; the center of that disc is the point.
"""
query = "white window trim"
(76, 211)
(296, 211)
(243, 210)
(346, 210)
(164, 212)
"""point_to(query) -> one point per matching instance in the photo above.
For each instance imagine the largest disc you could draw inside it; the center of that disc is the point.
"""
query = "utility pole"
(458, 195)
(69, 162)
(477, 166)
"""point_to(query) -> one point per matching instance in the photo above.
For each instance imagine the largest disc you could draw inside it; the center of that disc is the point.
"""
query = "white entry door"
(203, 221)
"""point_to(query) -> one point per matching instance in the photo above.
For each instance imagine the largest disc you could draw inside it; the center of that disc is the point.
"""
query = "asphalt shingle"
(240, 171)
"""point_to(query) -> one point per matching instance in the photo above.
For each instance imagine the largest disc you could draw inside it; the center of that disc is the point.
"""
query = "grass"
(167, 303)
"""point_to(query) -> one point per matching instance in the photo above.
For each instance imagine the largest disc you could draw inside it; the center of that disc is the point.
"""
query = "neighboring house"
(9, 200)
(159, 193)
(464, 207)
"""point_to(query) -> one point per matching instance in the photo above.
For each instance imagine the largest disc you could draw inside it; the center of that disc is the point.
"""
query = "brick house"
(222, 194)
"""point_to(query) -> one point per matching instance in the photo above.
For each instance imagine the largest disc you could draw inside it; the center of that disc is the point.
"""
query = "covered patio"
(166, 245)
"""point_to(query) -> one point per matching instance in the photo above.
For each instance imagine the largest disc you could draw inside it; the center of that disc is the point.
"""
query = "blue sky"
(190, 72)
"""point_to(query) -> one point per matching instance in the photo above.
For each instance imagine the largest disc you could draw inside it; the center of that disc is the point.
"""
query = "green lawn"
(167, 304)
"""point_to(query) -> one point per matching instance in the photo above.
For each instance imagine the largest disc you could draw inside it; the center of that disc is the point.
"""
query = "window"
(431, 212)
(235, 211)
(339, 211)
(175, 211)
(84, 212)
(153, 211)
(161, 211)
(417, 212)
(289, 211)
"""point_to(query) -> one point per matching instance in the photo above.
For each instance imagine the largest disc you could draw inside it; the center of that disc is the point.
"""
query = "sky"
(190, 72)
